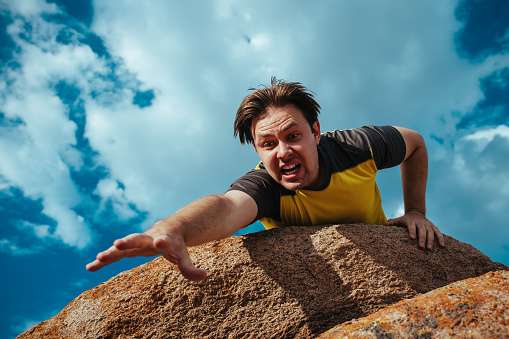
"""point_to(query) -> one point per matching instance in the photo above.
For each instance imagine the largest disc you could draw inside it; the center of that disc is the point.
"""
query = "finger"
(390, 222)
(430, 236)
(175, 251)
(439, 235)
(400, 222)
(131, 246)
(421, 230)
(136, 244)
(135, 240)
(189, 271)
(103, 259)
(411, 229)
(106, 257)
(95, 265)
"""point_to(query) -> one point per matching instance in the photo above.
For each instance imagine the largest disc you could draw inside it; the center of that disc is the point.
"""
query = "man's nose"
(284, 150)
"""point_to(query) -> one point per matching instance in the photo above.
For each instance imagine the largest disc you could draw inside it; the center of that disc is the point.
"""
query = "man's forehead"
(282, 118)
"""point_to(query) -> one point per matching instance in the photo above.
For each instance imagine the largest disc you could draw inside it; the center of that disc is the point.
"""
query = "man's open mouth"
(290, 169)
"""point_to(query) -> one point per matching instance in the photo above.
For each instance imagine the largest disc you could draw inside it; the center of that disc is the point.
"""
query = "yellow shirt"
(350, 193)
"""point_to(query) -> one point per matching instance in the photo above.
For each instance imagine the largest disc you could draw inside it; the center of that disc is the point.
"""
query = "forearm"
(203, 220)
(414, 176)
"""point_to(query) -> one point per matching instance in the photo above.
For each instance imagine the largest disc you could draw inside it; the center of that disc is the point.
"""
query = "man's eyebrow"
(285, 128)
(290, 125)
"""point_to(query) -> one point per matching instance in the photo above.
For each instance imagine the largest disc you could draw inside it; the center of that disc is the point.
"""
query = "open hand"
(418, 225)
(155, 241)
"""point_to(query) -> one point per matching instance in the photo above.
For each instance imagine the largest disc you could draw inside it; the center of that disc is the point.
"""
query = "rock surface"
(294, 282)
(471, 308)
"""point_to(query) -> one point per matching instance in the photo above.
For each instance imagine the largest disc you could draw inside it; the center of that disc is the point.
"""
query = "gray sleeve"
(387, 145)
(265, 191)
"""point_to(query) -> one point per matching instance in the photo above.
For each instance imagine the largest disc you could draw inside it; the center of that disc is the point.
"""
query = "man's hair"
(278, 94)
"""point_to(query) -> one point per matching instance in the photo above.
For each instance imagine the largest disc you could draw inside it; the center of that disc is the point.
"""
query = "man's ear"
(316, 131)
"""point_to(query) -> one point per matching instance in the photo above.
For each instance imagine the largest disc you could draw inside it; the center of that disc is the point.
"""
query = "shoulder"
(263, 189)
(356, 140)
(384, 144)
(363, 136)
(258, 182)
(258, 175)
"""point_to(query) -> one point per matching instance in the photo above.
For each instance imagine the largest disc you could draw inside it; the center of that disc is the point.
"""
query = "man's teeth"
(289, 169)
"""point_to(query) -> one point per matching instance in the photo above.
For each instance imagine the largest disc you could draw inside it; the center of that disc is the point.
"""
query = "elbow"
(414, 141)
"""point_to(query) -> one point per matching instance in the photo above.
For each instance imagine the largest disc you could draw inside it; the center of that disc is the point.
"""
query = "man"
(304, 178)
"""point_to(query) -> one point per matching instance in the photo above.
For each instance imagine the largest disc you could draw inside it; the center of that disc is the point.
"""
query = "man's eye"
(268, 144)
(293, 136)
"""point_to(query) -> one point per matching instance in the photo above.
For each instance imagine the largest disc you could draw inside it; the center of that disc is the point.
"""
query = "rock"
(471, 308)
(294, 282)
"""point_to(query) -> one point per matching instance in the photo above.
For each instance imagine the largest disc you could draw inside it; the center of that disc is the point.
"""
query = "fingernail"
(430, 246)
(412, 236)
(421, 244)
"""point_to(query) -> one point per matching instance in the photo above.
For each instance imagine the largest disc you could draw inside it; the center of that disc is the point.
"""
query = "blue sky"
(114, 114)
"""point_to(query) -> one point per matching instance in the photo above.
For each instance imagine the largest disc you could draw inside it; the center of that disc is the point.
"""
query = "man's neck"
(322, 174)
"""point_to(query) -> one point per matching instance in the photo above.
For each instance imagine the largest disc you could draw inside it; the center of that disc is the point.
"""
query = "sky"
(115, 114)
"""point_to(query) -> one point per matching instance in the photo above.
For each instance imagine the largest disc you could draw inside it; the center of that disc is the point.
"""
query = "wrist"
(416, 211)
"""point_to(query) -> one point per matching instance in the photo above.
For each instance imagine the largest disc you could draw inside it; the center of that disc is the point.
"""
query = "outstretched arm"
(414, 176)
(210, 218)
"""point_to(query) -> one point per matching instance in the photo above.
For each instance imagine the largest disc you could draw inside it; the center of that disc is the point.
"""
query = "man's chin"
(292, 186)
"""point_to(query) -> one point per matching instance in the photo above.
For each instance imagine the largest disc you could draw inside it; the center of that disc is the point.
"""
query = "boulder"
(294, 282)
(470, 308)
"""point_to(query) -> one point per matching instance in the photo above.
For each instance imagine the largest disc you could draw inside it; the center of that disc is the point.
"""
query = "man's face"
(286, 145)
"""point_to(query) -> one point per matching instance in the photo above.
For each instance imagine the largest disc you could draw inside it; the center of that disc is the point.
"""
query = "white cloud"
(35, 156)
(110, 191)
(29, 8)
(30, 159)
(40, 231)
(485, 136)
(341, 50)
(469, 190)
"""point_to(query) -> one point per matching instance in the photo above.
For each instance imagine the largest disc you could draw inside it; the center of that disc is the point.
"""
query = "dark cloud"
(96, 44)
(68, 36)
(9, 122)
(69, 95)
(484, 30)
(441, 141)
(143, 99)
(15, 206)
(76, 17)
(81, 10)
(6, 44)
(493, 109)
(484, 33)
